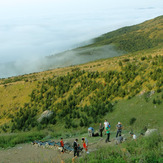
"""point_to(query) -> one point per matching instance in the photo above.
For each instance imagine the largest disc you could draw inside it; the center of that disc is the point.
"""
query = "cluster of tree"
(4, 127)
(156, 73)
(13, 79)
(25, 118)
(83, 97)
(158, 100)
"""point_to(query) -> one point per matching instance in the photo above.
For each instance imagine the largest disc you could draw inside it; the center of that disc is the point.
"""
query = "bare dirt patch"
(27, 153)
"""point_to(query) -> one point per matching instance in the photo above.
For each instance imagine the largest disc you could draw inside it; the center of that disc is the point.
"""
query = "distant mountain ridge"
(134, 38)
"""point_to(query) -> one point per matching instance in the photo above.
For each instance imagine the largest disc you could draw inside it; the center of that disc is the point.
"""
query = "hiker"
(119, 129)
(90, 131)
(76, 148)
(133, 135)
(106, 123)
(108, 133)
(85, 144)
(101, 128)
(62, 145)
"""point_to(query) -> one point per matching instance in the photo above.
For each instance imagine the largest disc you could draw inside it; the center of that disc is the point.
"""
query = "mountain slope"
(81, 95)
(134, 38)
(143, 36)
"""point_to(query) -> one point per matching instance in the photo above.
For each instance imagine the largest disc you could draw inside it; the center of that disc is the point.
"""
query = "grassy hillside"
(139, 112)
(83, 95)
(134, 38)
(144, 149)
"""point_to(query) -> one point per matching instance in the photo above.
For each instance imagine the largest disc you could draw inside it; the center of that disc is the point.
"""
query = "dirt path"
(28, 153)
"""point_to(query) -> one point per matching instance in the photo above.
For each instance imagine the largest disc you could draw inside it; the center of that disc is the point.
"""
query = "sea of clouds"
(33, 29)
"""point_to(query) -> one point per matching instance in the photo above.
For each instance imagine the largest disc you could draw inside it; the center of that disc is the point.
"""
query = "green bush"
(132, 120)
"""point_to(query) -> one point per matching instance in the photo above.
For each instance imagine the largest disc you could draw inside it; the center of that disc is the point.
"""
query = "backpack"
(75, 145)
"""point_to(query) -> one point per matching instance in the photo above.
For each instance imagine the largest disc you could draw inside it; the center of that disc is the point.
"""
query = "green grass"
(144, 149)
(10, 140)
(143, 110)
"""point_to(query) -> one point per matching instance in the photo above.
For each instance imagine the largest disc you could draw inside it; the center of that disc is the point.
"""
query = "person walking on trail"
(85, 144)
(76, 146)
(101, 128)
(119, 129)
(62, 145)
(108, 133)
(106, 123)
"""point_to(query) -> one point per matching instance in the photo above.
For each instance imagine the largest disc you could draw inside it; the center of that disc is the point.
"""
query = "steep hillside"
(134, 38)
(84, 94)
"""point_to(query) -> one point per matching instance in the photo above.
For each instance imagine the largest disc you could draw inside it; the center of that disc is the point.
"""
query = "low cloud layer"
(37, 28)
(67, 58)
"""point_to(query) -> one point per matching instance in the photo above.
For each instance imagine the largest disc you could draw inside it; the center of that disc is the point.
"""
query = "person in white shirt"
(106, 124)
(133, 135)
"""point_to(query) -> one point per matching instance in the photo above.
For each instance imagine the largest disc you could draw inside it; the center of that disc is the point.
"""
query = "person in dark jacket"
(101, 128)
(119, 129)
(76, 146)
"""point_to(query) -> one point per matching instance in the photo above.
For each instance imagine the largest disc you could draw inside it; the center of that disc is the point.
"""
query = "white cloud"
(43, 27)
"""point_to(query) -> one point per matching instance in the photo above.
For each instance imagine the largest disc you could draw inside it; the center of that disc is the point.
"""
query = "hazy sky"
(36, 28)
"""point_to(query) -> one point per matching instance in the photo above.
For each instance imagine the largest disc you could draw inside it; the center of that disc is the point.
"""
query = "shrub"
(159, 101)
(154, 101)
(132, 120)
(146, 96)
(158, 90)
(126, 60)
(120, 63)
(143, 58)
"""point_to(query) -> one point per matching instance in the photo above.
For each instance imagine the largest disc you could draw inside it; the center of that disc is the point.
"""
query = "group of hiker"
(76, 146)
(106, 128)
